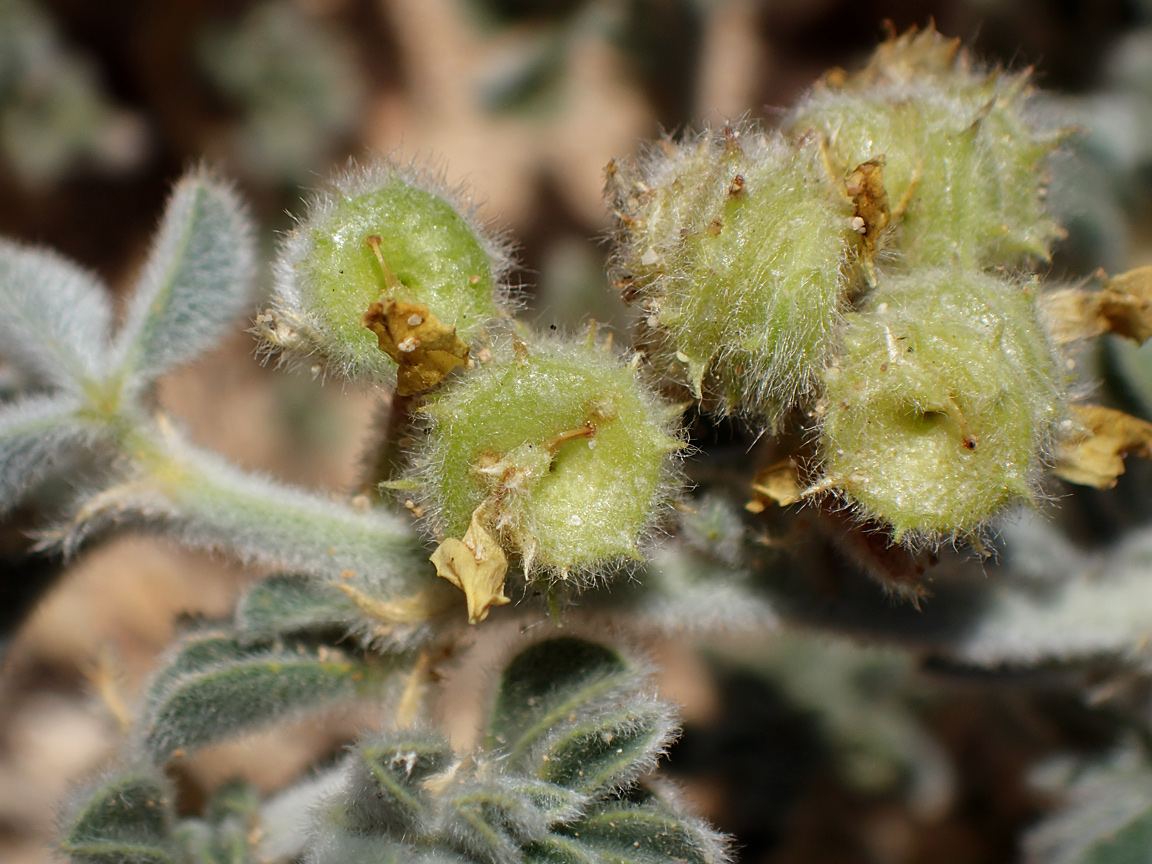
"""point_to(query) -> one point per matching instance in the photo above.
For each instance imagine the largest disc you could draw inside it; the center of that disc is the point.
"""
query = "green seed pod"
(941, 404)
(554, 448)
(962, 151)
(737, 247)
(388, 270)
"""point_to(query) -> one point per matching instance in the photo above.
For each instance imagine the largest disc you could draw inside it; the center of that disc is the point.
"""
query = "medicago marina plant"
(859, 286)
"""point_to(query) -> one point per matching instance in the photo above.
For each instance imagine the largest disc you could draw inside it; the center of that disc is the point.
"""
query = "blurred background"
(807, 750)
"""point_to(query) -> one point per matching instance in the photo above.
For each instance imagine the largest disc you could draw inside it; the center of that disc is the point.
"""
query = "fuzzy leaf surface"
(866, 703)
(197, 279)
(294, 603)
(575, 714)
(373, 849)
(215, 688)
(1049, 601)
(258, 518)
(490, 820)
(649, 832)
(695, 582)
(407, 797)
(126, 818)
(1106, 817)
(547, 682)
(384, 793)
(560, 849)
(54, 317)
(1061, 603)
(375, 611)
(226, 835)
(609, 749)
(289, 817)
(555, 803)
(36, 432)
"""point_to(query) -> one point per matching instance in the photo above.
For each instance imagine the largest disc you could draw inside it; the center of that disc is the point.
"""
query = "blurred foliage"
(55, 116)
(661, 40)
(294, 85)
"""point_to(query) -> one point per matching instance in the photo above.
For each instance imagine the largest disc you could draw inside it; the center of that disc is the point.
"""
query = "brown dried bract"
(865, 186)
(476, 565)
(1095, 457)
(424, 348)
(1123, 306)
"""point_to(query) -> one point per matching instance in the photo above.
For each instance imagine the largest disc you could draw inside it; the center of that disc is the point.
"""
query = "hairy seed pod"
(737, 248)
(556, 449)
(962, 151)
(941, 404)
(389, 271)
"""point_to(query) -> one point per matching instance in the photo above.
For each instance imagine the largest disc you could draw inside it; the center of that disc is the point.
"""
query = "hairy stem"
(214, 504)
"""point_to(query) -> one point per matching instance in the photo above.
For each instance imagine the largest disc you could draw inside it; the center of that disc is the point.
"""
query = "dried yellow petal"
(1096, 457)
(1126, 304)
(779, 483)
(1123, 307)
(476, 565)
(1072, 314)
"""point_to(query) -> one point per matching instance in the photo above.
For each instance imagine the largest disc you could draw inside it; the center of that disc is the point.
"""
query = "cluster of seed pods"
(548, 451)
(863, 272)
(865, 268)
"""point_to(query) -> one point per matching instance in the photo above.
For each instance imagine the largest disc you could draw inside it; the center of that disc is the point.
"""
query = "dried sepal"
(778, 483)
(1094, 454)
(416, 608)
(1126, 304)
(872, 214)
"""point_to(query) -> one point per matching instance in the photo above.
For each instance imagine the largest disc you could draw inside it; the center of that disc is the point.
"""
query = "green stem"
(214, 504)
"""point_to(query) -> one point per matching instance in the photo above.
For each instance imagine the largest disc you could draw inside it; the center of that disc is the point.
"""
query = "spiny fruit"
(738, 248)
(555, 448)
(961, 150)
(851, 267)
(942, 400)
(389, 272)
